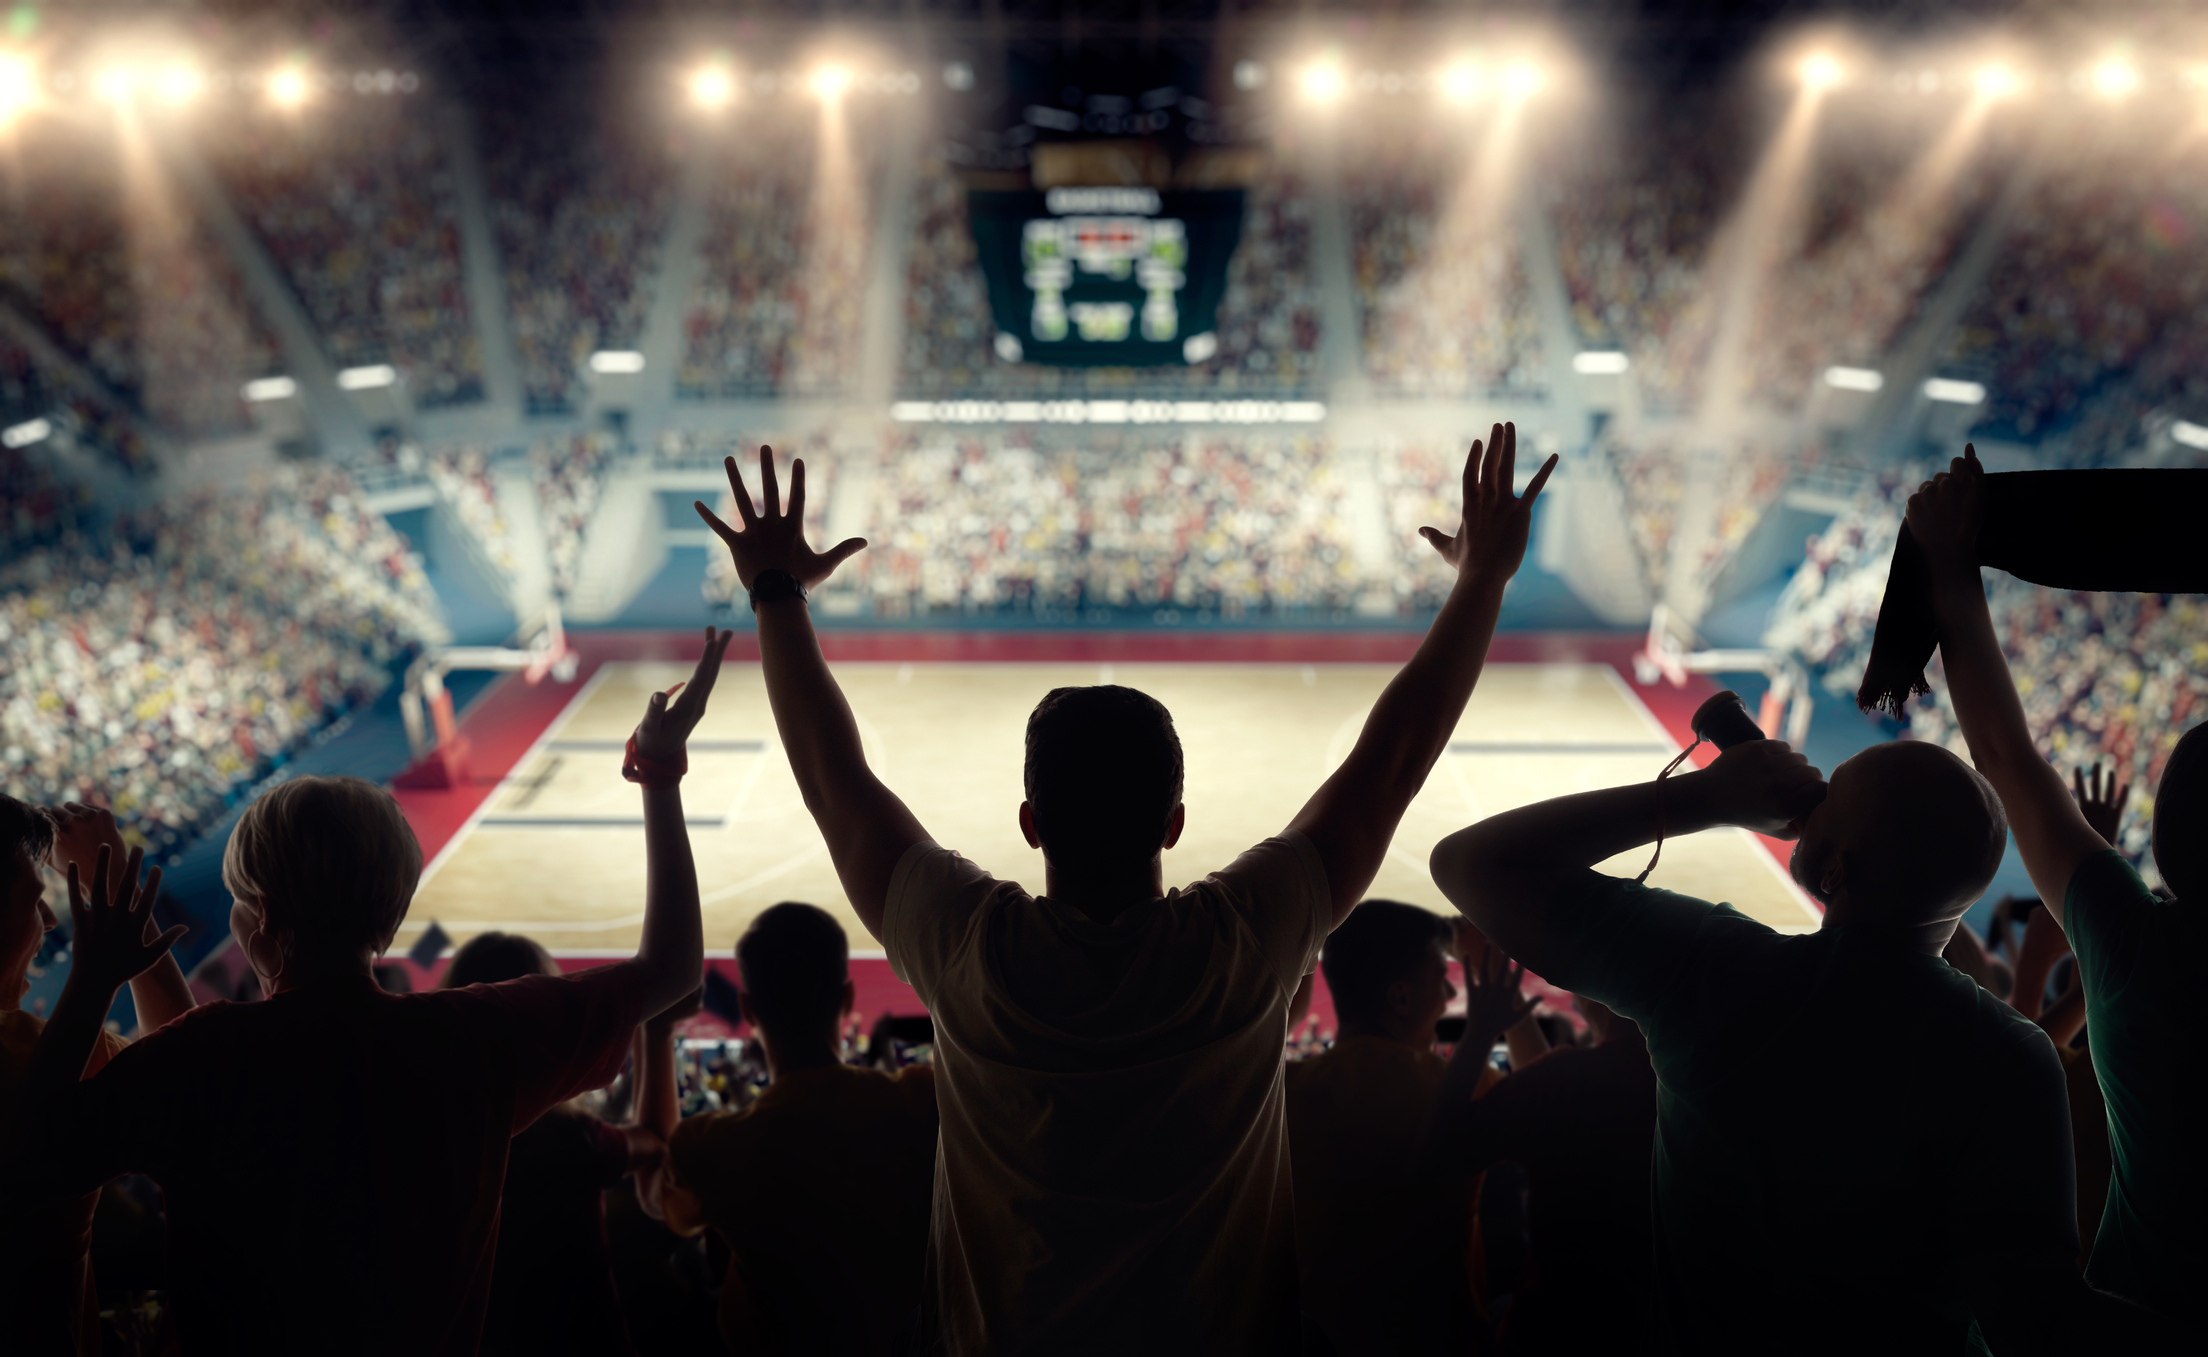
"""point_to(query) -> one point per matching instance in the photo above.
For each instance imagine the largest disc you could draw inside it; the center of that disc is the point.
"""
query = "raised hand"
(2101, 800)
(108, 944)
(773, 539)
(1493, 997)
(669, 717)
(1491, 538)
(1947, 511)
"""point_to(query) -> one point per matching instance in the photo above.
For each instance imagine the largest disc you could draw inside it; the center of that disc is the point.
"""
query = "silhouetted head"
(26, 837)
(2181, 816)
(489, 958)
(795, 967)
(322, 870)
(1388, 972)
(1103, 778)
(1907, 835)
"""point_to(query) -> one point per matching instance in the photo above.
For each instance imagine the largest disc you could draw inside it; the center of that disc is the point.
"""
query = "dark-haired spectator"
(823, 1181)
(48, 1302)
(1581, 1121)
(1793, 1206)
(552, 1280)
(1114, 1172)
(359, 1214)
(2136, 953)
(1382, 1255)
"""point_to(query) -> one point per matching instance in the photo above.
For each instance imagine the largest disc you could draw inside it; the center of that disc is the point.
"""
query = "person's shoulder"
(1287, 859)
(2105, 892)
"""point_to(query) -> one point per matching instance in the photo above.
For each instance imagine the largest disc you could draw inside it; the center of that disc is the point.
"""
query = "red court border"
(512, 714)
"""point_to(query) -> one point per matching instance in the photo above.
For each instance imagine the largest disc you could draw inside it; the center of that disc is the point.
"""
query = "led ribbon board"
(1123, 277)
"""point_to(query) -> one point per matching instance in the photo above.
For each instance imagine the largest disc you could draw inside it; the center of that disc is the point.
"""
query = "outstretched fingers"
(1540, 478)
(712, 520)
(797, 491)
(770, 489)
(843, 551)
(744, 510)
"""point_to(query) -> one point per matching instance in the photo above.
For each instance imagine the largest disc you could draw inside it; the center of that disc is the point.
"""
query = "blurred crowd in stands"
(166, 661)
(581, 212)
(362, 214)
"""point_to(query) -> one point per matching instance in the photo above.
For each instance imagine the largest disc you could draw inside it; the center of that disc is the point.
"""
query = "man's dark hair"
(1103, 775)
(1381, 942)
(2181, 815)
(794, 960)
(490, 958)
(26, 827)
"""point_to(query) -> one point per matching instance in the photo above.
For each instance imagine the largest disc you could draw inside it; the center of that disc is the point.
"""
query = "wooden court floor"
(557, 850)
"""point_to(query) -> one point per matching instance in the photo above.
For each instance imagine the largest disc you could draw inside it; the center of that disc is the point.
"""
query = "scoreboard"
(1083, 277)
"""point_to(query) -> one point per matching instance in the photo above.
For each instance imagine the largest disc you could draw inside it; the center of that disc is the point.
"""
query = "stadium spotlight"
(1600, 362)
(1322, 82)
(1819, 71)
(2190, 434)
(712, 87)
(28, 432)
(18, 87)
(1523, 78)
(1995, 82)
(287, 87)
(180, 84)
(1461, 83)
(115, 84)
(830, 83)
(2115, 78)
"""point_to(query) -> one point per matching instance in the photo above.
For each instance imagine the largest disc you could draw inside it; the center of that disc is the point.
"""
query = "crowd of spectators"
(1654, 467)
(362, 214)
(78, 414)
(1210, 523)
(1446, 308)
(775, 310)
(65, 252)
(166, 661)
(570, 473)
(1828, 611)
(2100, 260)
(463, 478)
(1268, 320)
(580, 208)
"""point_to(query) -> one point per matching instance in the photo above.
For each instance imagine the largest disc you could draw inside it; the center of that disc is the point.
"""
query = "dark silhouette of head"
(1387, 971)
(1908, 835)
(794, 964)
(489, 958)
(1103, 778)
(2181, 816)
(26, 837)
(322, 869)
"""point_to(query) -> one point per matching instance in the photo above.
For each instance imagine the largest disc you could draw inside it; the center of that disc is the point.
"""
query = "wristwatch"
(771, 586)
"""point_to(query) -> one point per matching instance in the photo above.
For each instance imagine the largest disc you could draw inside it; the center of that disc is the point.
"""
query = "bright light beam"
(1461, 83)
(180, 85)
(18, 87)
(115, 84)
(830, 83)
(287, 87)
(2115, 79)
(1996, 82)
(711, 87)
(1819, 71)
(1523, 78)
(1322, 82)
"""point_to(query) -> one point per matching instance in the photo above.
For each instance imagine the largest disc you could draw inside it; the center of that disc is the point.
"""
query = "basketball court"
(555, 849)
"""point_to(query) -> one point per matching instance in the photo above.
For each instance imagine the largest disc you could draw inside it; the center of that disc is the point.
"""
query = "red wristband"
(647, 772)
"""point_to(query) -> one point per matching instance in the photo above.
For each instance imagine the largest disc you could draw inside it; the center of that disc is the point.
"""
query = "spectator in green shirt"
(2136, 952)
(1804, 1198)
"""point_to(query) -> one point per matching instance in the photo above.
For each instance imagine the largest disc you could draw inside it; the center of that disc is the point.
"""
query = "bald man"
(1819, 1094)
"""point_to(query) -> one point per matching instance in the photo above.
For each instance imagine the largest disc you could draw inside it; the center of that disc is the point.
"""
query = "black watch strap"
(771, 586)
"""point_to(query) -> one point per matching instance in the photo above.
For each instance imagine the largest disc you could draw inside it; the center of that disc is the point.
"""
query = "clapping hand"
(1491, 538)
(1494, 1000)
(774, 540)
(109, 942)
(669, 717)
(2101, 800)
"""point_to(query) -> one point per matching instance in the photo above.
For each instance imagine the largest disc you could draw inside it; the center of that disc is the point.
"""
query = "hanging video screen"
(1121, 277)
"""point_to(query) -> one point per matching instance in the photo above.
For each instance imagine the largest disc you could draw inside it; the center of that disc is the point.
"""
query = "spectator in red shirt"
(332, 1158)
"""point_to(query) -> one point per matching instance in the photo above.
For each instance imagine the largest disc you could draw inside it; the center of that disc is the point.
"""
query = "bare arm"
(2044, 945)
(867, 828)
(160, 992)
(1351, 818)
(671, 953)
(1503, 871)
(109, 946)
(657, 1105)
(2051, 832)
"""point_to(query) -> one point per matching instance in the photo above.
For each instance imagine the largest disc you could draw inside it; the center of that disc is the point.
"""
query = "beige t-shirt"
(1113, 1175)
